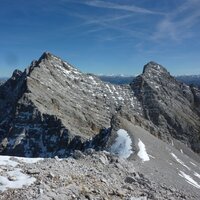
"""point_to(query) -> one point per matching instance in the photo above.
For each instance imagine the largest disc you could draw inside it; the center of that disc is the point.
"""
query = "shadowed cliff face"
(172, 106)
(52, 108)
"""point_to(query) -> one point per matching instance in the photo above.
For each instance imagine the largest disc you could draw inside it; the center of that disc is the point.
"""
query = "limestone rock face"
(52, 109)
(172, 106)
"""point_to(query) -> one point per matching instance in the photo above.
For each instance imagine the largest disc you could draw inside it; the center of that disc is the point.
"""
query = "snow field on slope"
(142, 151)
(122, 145)
(187, 177)
(180, 161)
(15, 178)
(18, 180)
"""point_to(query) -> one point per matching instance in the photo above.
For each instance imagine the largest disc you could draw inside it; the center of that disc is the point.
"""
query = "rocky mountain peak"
(152, 69)
(54, 63)
(46, 55)
(169, 104)
(57, 109)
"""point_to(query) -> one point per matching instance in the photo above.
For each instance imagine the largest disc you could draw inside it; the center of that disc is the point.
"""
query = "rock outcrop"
(52, 109)
(172, 106)
(95, 176)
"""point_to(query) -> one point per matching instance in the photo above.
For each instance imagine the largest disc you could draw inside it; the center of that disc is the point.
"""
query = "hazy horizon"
(100, 74)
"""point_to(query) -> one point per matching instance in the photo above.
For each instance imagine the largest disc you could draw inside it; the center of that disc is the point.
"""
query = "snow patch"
(180, 161)
(152, 156)
(189, 179)
(113, 87)
(109, 89)
(15, 178)
(123, 144)
(93, 80)
(120, 98)
(5, 160)
(139, 198)
(18, 180)
(197, 175)
(29, 160)
(193, 164)
(158, 67)
(142, 151)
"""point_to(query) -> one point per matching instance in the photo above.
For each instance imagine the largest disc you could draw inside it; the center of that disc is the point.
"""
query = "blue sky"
(102, 36)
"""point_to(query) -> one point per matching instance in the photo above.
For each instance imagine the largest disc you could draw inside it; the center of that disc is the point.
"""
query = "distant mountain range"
(190, 79)
(117, 79)
(120, 80)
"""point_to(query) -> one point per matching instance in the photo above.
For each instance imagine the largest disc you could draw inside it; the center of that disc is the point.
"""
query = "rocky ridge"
(171, 105)
(54, 102)
(52, 109)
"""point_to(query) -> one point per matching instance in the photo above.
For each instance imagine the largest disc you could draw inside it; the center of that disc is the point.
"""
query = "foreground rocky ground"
(93, 175)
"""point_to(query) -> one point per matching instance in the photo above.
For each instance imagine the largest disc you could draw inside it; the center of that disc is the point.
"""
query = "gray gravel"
(91, 178)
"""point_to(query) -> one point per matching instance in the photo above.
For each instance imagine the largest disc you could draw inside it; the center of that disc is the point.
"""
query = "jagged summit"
(169, 104)
(47, 55)
(153, 68)
(50, 60)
